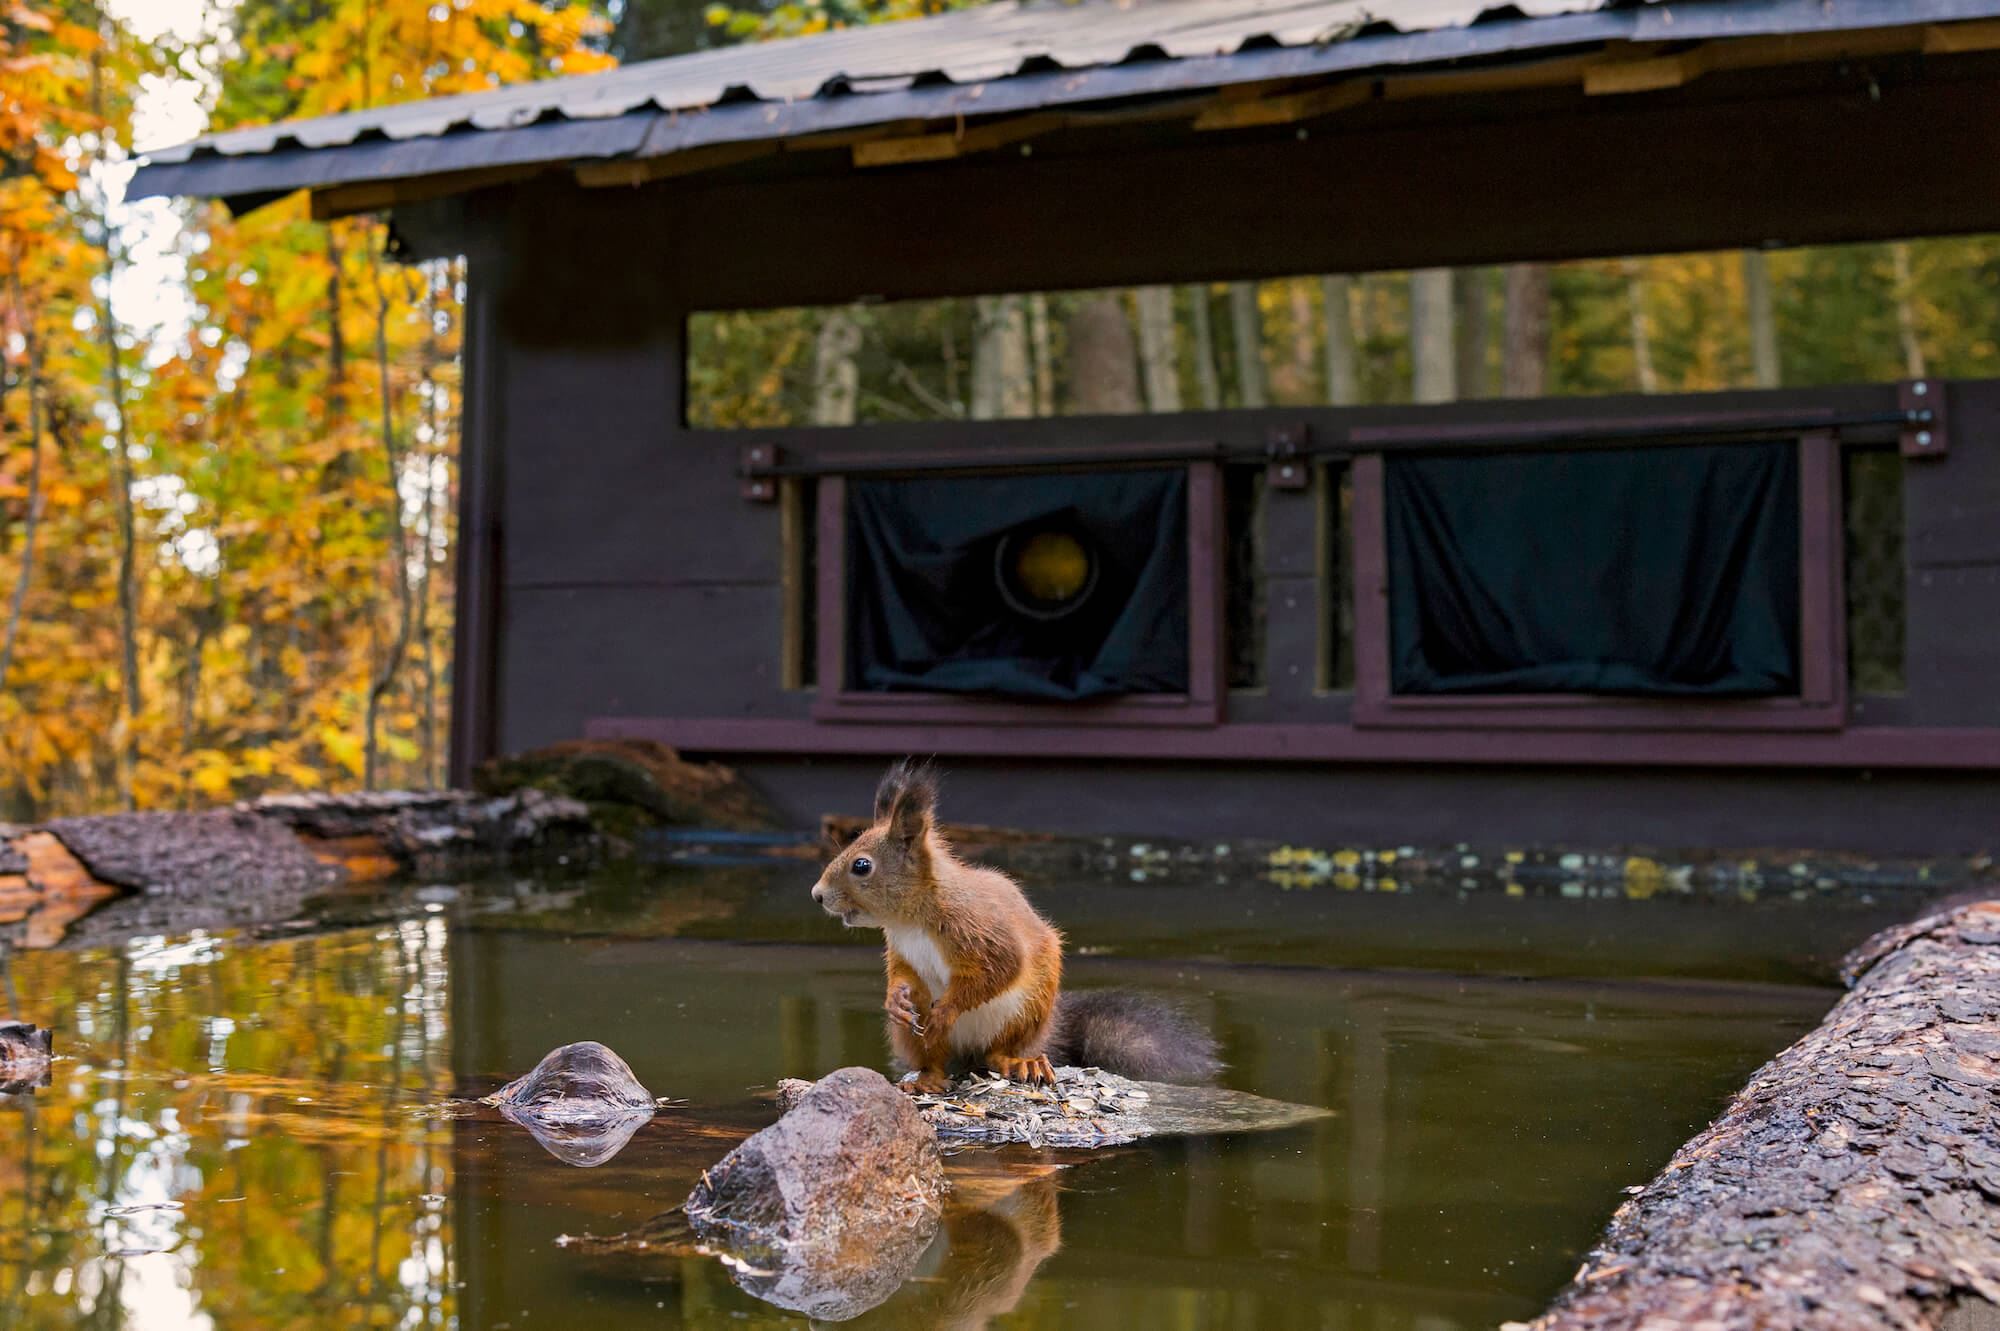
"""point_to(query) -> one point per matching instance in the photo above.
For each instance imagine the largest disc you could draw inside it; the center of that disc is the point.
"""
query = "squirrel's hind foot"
(1032, 1071)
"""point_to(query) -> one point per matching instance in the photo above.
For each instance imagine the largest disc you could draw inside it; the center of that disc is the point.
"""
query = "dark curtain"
(1667, 571)
(925, 612)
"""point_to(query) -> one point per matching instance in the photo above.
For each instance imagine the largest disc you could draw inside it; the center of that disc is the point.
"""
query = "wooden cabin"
(1054, 606)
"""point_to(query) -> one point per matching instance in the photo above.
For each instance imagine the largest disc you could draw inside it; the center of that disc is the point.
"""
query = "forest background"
(227, 445)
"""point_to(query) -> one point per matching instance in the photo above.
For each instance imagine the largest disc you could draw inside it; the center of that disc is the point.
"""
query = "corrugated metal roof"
(1003, 56)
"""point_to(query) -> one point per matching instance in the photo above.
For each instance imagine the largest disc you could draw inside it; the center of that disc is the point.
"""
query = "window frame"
(1822, 701)
(1201, 706)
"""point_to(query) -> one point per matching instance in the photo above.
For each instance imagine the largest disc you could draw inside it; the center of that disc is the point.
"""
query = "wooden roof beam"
(960, 142)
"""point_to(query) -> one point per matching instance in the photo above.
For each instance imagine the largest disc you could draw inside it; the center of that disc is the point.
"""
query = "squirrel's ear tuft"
(906, 777)
(907, 799)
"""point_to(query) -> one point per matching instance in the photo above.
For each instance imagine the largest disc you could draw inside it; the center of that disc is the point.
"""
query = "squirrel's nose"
(819, 892)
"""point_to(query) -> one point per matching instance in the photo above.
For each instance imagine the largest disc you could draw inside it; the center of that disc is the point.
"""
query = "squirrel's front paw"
(902, 1009)
(928, 1082)
(942, 1016)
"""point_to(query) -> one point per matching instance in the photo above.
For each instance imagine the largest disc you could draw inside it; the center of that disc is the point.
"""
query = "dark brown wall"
(631, 580)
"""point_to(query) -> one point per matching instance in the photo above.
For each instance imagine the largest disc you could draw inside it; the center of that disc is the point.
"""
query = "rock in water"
(24, 1057)
(581, 1102)
(827, 1210)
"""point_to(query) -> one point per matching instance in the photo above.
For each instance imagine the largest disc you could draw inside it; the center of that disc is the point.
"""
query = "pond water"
(262, 1132)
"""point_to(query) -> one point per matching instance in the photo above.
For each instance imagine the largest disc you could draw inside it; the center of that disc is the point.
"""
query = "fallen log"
(260, 861)
(1853, 1184)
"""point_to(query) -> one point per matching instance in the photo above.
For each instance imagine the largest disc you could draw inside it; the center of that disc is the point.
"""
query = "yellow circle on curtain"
(1051, 567)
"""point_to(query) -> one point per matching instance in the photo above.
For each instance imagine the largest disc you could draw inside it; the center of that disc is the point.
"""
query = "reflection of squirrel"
(975, 975)
(992, 1252)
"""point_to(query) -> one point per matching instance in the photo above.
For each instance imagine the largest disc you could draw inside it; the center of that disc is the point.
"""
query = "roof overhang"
(456, 144)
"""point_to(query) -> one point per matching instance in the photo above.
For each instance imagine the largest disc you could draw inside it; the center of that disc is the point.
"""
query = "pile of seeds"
(1086, 1107)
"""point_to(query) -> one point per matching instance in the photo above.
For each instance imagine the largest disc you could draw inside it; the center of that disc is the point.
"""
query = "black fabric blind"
(1669, 571)
(926, 611)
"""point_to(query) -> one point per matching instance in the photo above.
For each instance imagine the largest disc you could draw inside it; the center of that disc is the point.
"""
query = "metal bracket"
(754, 463)
(1926, 424)
(1286, 466)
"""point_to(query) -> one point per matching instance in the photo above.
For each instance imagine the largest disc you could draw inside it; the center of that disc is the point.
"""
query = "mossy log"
(259, 862)
(629, 784)
(1853, 1184)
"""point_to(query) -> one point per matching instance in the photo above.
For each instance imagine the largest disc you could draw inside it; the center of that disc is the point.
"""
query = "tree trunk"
(1201, 326)
(1103, 364)
(1850, 1183)
(427, 541)
(399, 553)
(1298, 378)
(836, 378)
(1343, 375)
(948, 353)
(336, 340)
(1642, 337)
(1002, 385)
(114, 372)
(1906, 311)
(1469, 287)
(1433, 345)
(1524, 361)
(1763, 319)
(32, 524)
(1246, 328)
(1159, 349)
(1038, 343)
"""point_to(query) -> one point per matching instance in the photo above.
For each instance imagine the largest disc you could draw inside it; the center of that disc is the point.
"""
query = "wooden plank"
(1958, 38)
(377, 195)
(1939, 748)
(482, 488)
(642, 171)
(955, 143)
(1652, 75)
(1286, 108)
(1744, 163)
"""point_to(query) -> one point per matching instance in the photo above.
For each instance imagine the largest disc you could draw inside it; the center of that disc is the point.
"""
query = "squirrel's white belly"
(976, 1029)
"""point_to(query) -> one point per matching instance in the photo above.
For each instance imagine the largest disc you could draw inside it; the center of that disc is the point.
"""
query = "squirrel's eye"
(862, 866)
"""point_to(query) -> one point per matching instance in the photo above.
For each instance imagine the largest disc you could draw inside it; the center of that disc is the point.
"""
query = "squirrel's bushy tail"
(1133, 1035)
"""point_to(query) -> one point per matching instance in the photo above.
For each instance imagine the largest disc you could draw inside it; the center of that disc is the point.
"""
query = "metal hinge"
(1286, 464)
(754, 464)
(1925, 421)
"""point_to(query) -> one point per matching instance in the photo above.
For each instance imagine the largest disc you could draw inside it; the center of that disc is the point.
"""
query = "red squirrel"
(975, 973)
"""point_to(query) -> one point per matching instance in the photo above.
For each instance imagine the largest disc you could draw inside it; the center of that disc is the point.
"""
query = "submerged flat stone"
(1089, 1107)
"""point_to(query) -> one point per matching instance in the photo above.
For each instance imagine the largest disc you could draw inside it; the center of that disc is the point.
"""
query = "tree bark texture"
(1853, 1184)
(1159, 349)
(1524, 362)
(1433, 342)
(1343, 372)
(1246, 326)
(1103, 364)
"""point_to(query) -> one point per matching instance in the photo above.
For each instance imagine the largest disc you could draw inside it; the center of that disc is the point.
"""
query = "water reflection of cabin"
(804, 601)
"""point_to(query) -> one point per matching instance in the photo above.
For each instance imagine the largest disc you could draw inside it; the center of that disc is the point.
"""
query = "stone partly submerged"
(1854, 1184)
(581, 1102)
(25, 1054)
(1087, 1108)
(827, 1211)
